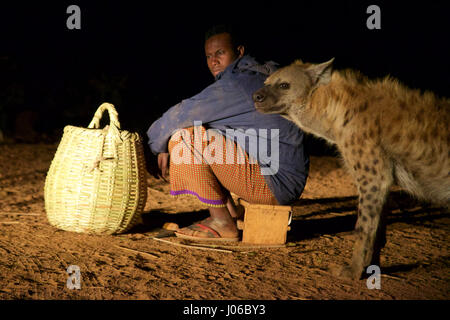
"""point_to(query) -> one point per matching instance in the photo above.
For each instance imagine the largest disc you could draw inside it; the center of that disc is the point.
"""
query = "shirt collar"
(248, 63)
(229, 68)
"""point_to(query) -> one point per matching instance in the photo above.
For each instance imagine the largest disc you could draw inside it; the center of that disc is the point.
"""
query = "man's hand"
(163, 164)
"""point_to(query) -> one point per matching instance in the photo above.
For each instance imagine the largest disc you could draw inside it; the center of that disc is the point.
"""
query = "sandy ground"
(34, 256)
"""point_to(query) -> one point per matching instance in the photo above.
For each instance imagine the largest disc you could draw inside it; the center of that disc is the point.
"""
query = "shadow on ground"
(155, 219)
(400, 208)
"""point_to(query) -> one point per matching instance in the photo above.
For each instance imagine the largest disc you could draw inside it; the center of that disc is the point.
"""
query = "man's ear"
(240, 51)
(321, 73)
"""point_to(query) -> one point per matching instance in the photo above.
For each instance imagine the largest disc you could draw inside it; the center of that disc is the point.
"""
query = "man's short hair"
(225, 28)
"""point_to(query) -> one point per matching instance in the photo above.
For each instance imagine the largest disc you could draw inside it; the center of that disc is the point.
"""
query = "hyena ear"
(321, 73)
(298, 62)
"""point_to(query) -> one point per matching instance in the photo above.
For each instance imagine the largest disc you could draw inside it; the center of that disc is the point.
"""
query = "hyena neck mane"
(329, 105)
(344, 105)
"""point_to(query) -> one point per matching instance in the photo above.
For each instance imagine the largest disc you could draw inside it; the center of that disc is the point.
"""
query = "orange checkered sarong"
(209, 166)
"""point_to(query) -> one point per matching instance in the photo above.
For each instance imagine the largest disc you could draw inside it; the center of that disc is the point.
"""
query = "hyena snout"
(259, 95)
(266, 101)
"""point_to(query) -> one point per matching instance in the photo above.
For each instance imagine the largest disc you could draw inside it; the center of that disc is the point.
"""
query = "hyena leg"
(380, 240)
(370, 239)
(373, 178)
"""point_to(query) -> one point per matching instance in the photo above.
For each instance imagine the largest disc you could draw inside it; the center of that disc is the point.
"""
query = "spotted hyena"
(384, 131)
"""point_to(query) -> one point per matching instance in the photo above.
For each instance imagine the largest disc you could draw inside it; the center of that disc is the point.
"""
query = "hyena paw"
(345, 272)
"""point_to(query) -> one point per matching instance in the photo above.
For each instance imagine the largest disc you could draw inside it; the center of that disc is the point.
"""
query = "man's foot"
(211, 230)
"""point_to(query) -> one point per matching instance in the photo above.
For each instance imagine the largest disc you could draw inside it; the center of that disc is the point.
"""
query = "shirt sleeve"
(218, 101)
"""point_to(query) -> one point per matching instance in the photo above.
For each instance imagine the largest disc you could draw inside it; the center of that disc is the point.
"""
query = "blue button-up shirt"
(227, 106)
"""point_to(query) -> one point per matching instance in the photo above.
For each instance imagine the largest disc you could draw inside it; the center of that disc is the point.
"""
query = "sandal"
(209, 234)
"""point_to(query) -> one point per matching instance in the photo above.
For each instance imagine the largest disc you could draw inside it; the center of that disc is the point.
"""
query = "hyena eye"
(284, 85)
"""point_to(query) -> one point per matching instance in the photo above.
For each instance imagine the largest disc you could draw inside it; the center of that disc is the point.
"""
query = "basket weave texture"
(96, 182)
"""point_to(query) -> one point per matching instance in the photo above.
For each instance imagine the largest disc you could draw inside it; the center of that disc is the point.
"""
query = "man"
(226, 106)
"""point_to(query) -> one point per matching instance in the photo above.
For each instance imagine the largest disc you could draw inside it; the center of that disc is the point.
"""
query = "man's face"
(220, 52)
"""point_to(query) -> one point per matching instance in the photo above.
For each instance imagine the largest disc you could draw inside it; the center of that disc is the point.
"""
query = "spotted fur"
(385, 132)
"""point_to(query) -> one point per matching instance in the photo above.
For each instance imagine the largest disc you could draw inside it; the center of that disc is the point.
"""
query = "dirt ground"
(34, 256)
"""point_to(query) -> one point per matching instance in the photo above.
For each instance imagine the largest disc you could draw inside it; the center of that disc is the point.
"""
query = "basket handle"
(113, 116)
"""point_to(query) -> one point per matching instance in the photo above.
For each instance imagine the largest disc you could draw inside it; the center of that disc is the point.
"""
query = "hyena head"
(290, 87)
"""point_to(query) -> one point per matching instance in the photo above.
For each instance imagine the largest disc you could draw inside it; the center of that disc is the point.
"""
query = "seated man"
(215, 158)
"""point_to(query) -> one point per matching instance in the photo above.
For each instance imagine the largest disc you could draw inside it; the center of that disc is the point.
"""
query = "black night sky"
(144, 57)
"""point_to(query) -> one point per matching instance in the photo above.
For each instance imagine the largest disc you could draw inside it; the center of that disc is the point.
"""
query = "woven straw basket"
(96, 182)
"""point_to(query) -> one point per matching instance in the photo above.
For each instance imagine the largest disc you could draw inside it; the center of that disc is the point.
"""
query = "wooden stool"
(264, 224)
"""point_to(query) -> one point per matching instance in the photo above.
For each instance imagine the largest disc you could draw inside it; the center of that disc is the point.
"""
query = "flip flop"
(212, 235)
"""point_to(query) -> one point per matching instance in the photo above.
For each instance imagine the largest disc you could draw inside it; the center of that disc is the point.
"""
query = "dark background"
(145, 56)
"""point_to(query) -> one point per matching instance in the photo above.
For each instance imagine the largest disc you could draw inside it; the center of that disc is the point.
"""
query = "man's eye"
(284, 85)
